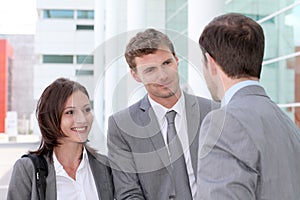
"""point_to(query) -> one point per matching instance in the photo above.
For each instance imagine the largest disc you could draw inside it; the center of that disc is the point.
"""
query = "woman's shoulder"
(24, 163)
(23, 169)
(96, 155)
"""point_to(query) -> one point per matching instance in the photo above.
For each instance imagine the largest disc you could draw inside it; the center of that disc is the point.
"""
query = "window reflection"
(63, 14)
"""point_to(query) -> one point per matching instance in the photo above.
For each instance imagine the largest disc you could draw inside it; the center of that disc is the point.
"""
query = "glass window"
(278, 76)
(85, 14)
(85, 59)
(63, 14)
(257, 17)
(177, 20)
(82, 72)
(57, 59)
(84, 27)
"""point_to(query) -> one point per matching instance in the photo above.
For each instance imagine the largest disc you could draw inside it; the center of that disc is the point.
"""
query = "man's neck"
(168, 102)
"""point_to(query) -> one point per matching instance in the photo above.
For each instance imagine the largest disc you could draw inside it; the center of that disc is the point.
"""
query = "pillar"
(200, 13)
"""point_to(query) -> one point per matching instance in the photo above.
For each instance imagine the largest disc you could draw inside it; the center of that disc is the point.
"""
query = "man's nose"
(162, 73)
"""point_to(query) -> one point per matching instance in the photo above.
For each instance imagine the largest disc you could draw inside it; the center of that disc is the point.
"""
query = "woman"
(75, 171)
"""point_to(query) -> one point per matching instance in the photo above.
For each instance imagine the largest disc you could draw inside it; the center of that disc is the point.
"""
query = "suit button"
(172, 197)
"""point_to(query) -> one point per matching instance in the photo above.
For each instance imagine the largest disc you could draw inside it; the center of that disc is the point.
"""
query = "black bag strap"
(41, 172)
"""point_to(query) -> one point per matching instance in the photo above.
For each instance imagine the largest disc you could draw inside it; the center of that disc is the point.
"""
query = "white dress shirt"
(83, 188)
(181, 129)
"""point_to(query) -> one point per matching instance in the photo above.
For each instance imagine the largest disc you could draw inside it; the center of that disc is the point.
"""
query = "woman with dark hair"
(75, 171)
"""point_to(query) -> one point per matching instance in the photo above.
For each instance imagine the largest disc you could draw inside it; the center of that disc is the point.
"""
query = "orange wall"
(6, 52)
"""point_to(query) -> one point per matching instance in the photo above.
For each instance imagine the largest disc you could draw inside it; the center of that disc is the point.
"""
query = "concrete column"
(200, 13)
(136, 14)
(97, 135)
(111, 18)
(136, 21)
(111, 46)
(99, 22)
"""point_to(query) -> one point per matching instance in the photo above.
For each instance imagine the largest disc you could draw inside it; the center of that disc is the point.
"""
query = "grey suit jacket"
(137, 152)
(22, 185)
(249, 150)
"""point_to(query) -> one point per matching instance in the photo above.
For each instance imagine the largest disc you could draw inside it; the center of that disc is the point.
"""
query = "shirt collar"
(160, 110)
(58, 166)
(236, 87)
(84, 160)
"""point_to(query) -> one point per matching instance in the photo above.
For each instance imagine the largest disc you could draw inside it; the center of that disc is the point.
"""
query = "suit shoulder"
(23, 168)
(204, 102)
(128, 111)
(25, 163)
(97, 156)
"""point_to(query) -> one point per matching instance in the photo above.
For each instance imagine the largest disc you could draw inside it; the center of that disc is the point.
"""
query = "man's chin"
(168, 94)
(216, 98)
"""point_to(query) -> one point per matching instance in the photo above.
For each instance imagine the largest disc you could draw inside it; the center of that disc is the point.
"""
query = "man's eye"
(149, 70)
(167, 63)
(87, 110)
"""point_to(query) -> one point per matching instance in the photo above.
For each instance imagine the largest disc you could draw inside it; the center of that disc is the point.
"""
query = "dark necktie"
(179, 170)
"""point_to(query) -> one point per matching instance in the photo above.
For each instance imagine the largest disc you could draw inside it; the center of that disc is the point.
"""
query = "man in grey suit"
(138, 144)
(249, 149)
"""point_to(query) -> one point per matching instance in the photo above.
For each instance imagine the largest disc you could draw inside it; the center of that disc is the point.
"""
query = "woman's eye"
(70, 112)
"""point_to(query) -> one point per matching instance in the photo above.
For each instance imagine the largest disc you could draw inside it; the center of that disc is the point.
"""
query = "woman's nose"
(80, 117)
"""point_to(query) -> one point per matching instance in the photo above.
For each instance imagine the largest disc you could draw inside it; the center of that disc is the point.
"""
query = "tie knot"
(170, 116)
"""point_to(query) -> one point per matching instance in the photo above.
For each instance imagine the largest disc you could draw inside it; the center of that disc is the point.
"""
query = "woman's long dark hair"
(49, 112)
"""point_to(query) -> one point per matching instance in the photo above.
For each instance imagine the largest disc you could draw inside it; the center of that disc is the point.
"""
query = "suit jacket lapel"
(99, 173)
(152, 129)
(155, 135)
(193, 123)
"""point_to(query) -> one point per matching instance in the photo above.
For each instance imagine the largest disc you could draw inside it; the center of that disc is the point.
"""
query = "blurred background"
(85, 40)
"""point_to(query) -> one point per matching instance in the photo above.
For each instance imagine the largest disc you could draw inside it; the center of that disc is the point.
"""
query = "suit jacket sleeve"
(228, 159)
(22, 183)
(125, 178)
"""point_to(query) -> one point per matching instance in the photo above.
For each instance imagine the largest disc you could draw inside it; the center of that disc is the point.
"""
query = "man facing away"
(249, 148)
(152, 159)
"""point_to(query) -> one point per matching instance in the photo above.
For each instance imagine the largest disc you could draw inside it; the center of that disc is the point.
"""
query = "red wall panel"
(6, 53)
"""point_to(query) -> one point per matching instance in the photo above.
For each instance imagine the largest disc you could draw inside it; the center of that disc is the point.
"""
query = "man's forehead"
(152, 60)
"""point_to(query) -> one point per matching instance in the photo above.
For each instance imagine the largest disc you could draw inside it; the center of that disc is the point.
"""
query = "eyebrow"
(75, 106)
(148, 66)
(168, 60)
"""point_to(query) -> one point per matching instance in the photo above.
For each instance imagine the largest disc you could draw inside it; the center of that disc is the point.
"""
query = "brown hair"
(236, 42)
(144, 43)
(49, 112)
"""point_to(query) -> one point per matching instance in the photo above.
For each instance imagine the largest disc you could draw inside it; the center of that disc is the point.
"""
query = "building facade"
(21, 74)
(86, 40)
(64, 42)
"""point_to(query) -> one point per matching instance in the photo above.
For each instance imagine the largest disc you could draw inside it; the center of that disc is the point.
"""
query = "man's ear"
(211, 64)
(176, 58)
(135, 75)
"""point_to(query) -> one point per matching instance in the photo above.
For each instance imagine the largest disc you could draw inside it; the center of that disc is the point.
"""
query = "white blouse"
(83, 188)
